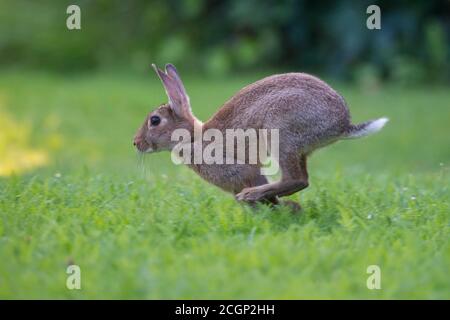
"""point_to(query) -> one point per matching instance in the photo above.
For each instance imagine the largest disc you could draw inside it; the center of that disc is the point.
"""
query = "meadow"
(74, 191)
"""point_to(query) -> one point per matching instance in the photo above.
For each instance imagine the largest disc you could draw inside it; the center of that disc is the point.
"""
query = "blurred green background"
(221, 37)
(73, 190)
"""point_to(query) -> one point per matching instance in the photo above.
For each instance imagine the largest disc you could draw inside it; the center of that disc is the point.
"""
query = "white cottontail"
(307, 112)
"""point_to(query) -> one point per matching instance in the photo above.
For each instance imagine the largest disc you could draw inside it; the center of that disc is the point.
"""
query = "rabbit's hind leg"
(261, 180)
(293, 179)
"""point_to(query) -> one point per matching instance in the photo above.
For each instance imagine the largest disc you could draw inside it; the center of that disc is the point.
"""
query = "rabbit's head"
(155, 134)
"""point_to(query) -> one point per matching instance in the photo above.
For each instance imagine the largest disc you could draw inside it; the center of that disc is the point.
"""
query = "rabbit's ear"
(173, 73)
(178, 99)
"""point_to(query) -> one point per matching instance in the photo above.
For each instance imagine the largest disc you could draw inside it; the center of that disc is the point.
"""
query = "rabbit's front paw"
(250, 194)
(295, 207)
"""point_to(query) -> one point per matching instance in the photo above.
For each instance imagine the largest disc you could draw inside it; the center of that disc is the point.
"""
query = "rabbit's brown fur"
(308, 113)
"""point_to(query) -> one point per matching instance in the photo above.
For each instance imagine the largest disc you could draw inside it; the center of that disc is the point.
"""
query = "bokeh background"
(221, 37)
(73, 190)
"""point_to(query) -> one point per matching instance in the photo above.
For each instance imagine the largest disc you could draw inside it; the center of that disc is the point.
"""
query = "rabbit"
(308, 113)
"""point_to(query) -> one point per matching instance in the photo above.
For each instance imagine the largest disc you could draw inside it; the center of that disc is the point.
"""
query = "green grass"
(158, 231)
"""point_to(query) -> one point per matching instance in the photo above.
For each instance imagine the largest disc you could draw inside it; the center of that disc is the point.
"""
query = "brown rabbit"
(308, 113)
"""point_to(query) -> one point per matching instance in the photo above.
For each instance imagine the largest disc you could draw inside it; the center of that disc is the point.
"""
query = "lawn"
(73, 191)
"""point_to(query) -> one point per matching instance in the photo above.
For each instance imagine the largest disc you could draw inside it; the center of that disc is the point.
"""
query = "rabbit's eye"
(155, 120)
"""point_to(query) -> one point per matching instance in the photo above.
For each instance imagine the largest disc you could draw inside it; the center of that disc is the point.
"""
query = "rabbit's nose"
(137, 141)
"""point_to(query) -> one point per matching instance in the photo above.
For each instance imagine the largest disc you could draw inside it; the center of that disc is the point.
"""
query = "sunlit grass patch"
(16, 153)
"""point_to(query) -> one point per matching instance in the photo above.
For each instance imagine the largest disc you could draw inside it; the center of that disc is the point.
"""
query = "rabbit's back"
(306, 110)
